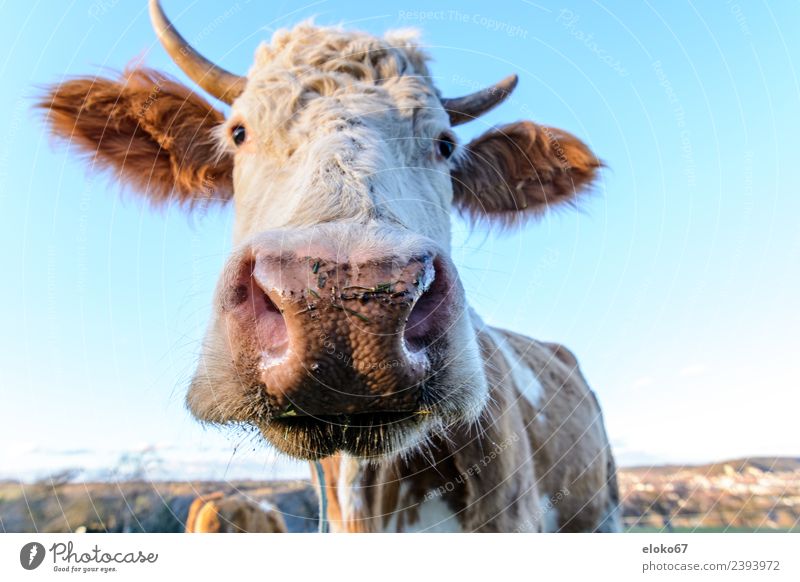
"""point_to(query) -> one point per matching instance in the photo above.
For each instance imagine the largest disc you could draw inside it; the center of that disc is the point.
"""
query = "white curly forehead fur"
(310, 61)
(341, 126)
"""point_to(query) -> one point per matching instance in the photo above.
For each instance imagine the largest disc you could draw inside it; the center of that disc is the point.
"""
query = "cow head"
(339, 320)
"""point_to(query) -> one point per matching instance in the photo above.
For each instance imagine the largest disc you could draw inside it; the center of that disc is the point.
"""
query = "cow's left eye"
(445, 145)
(238, 135)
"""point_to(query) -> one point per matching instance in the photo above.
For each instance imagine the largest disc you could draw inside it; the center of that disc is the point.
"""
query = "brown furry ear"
(521, 169)
(156, 134)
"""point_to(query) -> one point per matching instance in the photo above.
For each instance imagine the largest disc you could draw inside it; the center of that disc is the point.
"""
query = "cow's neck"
(475, 479)
(423, 492)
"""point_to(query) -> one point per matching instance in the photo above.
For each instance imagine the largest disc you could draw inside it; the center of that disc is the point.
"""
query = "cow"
(220, 513)
(340, 328)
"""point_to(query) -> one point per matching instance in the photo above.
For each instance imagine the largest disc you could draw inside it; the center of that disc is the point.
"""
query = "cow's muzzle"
(334, 339)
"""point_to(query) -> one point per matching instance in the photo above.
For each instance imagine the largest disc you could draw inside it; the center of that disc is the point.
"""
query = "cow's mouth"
(362, 435)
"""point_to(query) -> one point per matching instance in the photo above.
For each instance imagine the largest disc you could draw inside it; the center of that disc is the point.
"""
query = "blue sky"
(676, 283)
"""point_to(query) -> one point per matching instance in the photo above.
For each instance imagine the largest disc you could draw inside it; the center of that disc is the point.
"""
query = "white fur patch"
(435, 516)
(266, 506)
(349, 500)
(549, 515)
(524, 378)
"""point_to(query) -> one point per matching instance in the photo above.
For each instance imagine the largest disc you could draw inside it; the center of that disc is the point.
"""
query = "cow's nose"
(327, 337)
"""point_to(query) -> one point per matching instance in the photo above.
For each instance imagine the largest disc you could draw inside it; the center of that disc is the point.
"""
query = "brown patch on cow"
(395, 489)
(563, 354)
(521, 169)
(400, 488)
(331, 470)
(154, 133)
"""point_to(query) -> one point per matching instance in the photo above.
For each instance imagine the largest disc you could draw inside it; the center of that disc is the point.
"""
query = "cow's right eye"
(445, 145)
(238, 135)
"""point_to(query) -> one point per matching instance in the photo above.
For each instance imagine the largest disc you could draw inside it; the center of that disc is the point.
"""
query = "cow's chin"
(375, 436)
(369, 436)
(449, 402)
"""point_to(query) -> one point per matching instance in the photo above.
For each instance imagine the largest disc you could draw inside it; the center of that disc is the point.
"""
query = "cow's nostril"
(421, 329)
(272, 337)
(260, 301)
(253, 307)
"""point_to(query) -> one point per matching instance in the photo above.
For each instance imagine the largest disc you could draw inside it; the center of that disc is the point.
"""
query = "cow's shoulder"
(536, 353)
(563, 422)
(516, 360)
(561, 352)
(529, 365)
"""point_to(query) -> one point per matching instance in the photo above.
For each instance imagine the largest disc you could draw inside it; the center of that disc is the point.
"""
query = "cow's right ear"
(520, 170)
(156, 134)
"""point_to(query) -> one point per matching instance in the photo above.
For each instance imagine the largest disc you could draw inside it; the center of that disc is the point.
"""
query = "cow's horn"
(467, 108)
(217, 81)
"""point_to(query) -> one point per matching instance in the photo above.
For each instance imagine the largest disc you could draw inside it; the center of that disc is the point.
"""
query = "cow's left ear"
(519, 170)
(154, 133)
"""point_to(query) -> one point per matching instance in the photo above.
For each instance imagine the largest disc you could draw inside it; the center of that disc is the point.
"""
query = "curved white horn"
(217, 81)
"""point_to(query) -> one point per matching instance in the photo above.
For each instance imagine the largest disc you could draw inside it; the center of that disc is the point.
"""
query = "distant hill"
(764, 464)
(752, 494)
